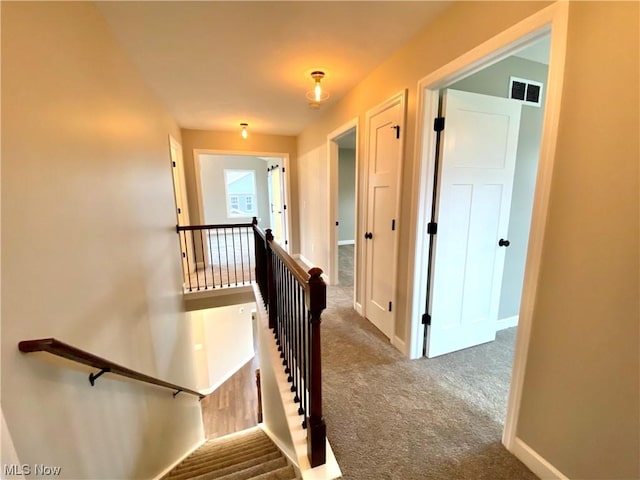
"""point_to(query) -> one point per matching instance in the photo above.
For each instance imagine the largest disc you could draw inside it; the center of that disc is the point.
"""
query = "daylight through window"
(241, 192)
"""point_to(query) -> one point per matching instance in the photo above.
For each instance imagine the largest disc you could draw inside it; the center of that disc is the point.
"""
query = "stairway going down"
(248, 455)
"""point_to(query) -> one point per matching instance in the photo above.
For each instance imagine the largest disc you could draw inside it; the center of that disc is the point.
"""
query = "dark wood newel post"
(317, 430)
(271, 282)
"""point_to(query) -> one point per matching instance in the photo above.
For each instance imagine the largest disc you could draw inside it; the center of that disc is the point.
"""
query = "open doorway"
(346, 207)
(549, 22)
(235, 187)
(342, 147)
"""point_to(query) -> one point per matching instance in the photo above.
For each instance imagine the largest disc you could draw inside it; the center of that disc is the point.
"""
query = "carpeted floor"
(398, 419)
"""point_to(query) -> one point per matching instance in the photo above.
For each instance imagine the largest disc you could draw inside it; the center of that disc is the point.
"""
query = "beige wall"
(581, 408)
(581, 405)
(90, 254)
(232, 142)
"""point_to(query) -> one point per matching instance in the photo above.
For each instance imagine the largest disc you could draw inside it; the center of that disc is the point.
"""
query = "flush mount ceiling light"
(244, 132)
(318, 94)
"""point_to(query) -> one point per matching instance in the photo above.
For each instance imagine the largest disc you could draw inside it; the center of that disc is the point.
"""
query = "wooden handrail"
(61, 349)
(184, 228)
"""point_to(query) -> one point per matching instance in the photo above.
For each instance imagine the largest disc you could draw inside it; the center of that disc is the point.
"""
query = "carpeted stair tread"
(225, 444)
(209, 464)
(249, 456)
(285, 473)
(255, 471)
(221, 472)
(234, 455)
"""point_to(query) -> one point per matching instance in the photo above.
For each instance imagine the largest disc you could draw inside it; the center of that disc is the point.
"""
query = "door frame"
(554, 20)
(401, 99)
(180, 193)
(333, 158)
(285, 181)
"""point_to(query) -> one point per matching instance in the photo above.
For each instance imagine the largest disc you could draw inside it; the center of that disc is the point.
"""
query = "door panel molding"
(399, 100)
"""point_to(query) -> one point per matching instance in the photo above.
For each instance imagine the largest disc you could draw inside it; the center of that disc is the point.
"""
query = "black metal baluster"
(213, 277)
(226, 252)
(195, 256)
(306, 364)
(296, 372)
(290, 317)
(186, 254)
(235, 263)
(219, 257)
(204, 259)
(241, 253)
(249, 254)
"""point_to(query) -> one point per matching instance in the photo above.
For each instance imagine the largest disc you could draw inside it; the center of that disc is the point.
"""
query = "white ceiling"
(216, 64)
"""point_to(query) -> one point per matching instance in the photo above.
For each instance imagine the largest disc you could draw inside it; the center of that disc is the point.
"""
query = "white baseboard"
(309, 264)
(358, 308)
(189, 451)
(400, 345)
(346, 242)
(508, 322)
(536, 463)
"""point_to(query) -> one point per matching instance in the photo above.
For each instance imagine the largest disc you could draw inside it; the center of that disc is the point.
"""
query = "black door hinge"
(286, 242)
(432, 228)
(282, 169)
(438, 124)
(184, 255)
(179, 210)
(284, 207)
(393, 224)
(337, 224)
(426, 319)
(174, 164)
(390, 305)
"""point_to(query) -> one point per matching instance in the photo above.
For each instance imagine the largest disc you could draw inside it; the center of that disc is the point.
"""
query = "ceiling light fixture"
(318, 94)
(244, 132)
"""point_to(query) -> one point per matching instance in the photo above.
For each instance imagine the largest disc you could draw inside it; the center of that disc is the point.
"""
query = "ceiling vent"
(527, 91)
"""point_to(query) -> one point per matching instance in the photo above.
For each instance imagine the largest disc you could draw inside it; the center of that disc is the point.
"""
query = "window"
(240, 188)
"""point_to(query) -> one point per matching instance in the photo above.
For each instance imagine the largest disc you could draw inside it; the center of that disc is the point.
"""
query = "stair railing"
(217, 256)
(295, 300)
(61, 349)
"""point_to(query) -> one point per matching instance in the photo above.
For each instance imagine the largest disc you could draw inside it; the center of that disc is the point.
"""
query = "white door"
(477, 163)
(276, 206)
(179, 194)
(385, 129)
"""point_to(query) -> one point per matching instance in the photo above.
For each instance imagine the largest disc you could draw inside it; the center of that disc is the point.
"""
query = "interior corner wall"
(346, 194)
(89, 251)
(457, 30)
(581, 397)
(494, 81)
(232, 142)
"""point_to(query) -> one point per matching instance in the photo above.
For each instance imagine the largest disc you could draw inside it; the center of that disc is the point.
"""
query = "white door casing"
(477, 163)
(276, 206)
(384, 139)
(180, 198)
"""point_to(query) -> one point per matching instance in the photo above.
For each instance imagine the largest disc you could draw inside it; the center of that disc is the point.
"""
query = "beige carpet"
(397, 419)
